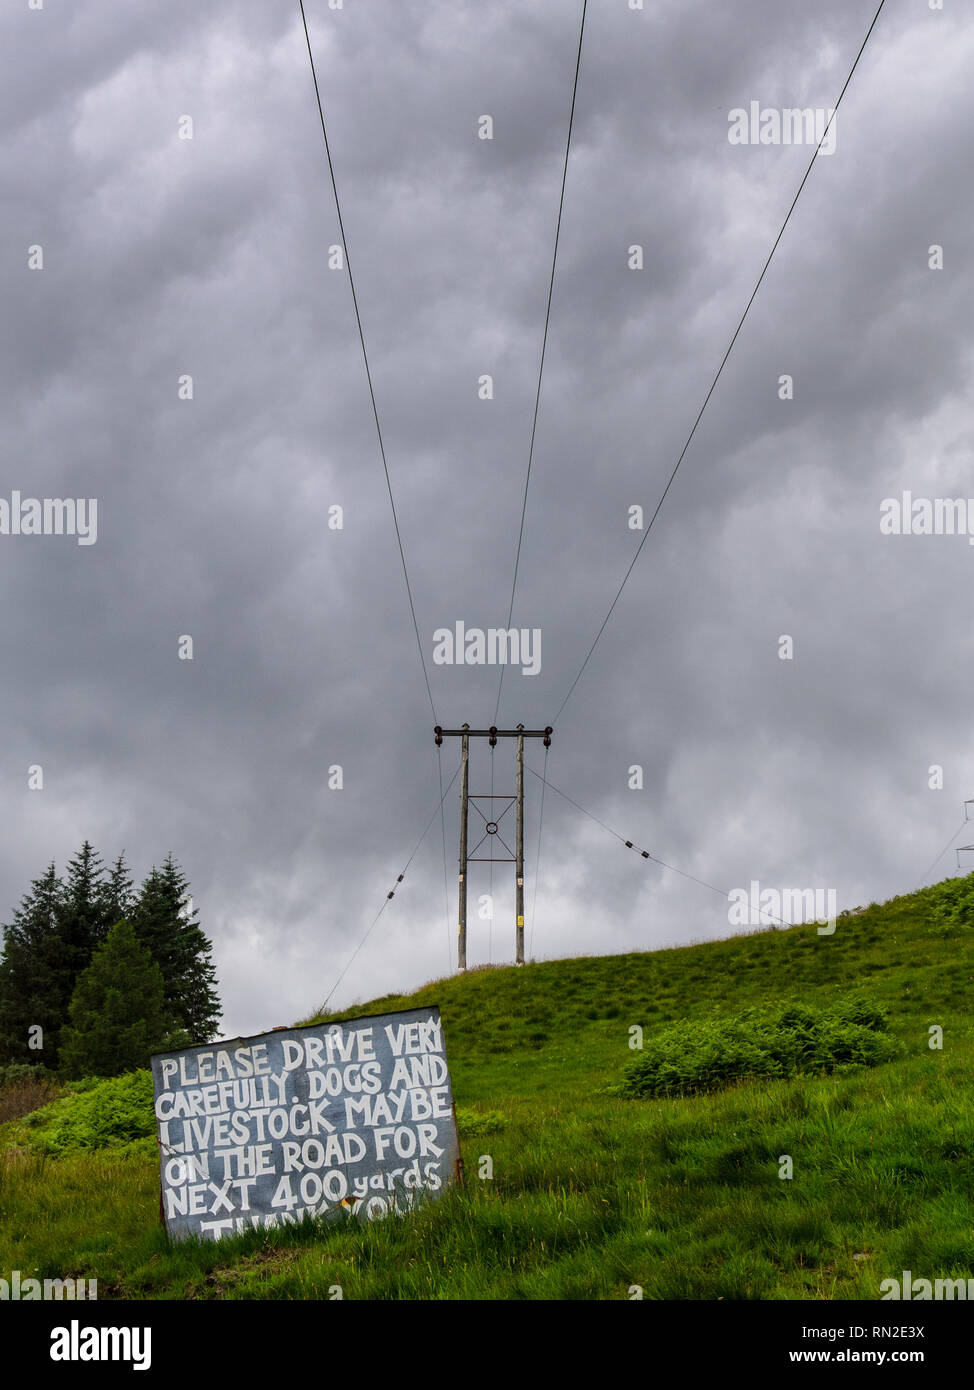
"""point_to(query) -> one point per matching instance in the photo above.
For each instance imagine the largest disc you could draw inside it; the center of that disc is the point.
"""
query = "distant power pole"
(965, 849)
(491, 824)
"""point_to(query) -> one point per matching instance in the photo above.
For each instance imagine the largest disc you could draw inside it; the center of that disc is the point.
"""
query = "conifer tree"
(31, 986)
(117, 1012)
(61, 923)
(166, 925)
(118, 891)
(86, 911)
(85, 915)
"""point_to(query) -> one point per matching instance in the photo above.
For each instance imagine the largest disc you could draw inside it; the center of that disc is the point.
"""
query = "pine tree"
(60, 924)
(85, 917)
(118, 1014)
(85, 913)
(31, 984)
(166, 925)
(117, 891)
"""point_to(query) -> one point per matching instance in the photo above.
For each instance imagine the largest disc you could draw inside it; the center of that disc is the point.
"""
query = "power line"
(720, 369)
(942, 853)
(544, 344)
(645, 852)
(365, 355)
(390, 894)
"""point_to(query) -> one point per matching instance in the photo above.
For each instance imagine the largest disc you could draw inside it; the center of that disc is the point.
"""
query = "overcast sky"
(209, 257)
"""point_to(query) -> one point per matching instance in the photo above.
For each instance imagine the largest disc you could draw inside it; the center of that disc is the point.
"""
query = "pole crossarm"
(494, 733)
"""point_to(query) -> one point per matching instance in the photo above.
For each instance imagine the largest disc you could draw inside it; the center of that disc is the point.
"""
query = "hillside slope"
(590, 1194)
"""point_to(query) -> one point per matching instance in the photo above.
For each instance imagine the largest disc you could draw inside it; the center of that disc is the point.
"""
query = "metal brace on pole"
(465, 734)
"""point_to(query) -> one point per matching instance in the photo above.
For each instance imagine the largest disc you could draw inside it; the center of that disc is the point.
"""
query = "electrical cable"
(544, 344)
(720, 369)
(365, 355)
(391, 894)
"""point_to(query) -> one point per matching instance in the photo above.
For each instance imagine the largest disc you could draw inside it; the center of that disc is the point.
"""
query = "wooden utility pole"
(464, 802)
(465, 734)
(519, 857)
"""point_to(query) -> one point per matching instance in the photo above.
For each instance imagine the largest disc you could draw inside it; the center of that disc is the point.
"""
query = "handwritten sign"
(351, 1119)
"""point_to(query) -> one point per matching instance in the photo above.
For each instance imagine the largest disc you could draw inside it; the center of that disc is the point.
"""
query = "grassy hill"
(592, 1193)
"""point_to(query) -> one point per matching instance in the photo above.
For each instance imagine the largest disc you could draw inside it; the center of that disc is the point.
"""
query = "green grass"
(593, 1192)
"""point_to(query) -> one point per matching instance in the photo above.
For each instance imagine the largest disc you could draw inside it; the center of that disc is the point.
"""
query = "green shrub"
(950, 905)
(792, 1039)
(474, 1123)
(107, 1114)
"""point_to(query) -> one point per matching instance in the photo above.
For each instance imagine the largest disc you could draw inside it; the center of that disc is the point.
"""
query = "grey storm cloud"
(209, 257)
